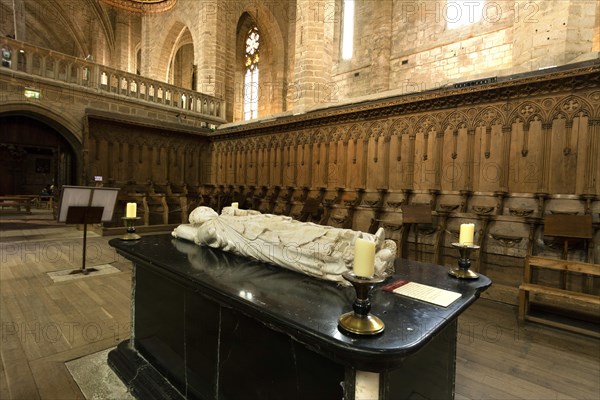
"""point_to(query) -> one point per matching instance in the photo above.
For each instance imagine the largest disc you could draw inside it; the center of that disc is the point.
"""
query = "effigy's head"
(202, 214)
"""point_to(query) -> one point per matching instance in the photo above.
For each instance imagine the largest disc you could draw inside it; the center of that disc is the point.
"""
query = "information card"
(429, 294)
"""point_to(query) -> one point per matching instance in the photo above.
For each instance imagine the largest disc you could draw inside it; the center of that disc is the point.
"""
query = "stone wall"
(399, 46)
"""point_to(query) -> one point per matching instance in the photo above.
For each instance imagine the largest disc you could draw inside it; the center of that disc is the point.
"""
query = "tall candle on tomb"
(364, 257)
(131, 210)
(234, 205)
(467, 232)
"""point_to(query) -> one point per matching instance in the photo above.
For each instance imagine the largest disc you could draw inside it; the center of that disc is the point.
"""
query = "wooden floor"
(45, 324)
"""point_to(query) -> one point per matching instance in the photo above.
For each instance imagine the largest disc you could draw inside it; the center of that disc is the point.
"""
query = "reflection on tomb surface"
(212, 324)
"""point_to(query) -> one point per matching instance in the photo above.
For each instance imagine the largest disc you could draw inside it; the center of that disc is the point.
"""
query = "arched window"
(347, 29)
(251, 76)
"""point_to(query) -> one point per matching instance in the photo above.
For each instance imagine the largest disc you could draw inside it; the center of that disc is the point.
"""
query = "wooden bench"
(566, 227)
(16, 202)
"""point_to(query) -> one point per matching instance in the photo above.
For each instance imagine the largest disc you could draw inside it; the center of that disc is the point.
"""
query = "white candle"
(131, 210)
(467, 232)
(364, 257)
(234, 205)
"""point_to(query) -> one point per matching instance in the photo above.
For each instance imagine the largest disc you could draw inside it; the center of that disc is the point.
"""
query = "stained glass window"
(251, 75)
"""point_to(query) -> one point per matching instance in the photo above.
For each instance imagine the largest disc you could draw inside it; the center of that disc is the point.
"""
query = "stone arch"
(181, 52)
(160, 66)
(68, 129)
(272, 73)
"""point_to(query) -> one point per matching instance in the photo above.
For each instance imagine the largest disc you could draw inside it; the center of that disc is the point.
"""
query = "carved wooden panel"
(501, 156)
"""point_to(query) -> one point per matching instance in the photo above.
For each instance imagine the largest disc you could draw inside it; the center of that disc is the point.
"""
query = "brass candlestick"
(463, 271)
(130, 235)
(359, 321)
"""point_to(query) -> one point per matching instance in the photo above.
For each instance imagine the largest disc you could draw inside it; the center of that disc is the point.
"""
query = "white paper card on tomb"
(429, 294)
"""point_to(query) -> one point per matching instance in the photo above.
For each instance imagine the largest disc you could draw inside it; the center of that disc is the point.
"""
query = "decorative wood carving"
(520, 142)
(507, 241)
(520, 212)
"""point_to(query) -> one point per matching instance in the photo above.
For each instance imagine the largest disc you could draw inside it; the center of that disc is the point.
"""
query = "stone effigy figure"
(321, 251)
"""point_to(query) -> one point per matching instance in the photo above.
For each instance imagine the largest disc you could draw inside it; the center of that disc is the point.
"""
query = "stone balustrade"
(32, 60)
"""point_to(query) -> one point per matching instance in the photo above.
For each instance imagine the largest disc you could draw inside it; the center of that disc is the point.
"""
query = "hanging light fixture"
(142, 6)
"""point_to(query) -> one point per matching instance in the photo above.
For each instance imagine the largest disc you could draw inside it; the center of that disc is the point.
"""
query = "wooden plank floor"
(44, 324)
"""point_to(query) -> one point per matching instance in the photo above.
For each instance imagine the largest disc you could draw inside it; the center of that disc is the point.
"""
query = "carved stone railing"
(36, 61)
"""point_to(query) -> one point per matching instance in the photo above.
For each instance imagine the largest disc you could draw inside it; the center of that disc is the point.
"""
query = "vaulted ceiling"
(73, 27)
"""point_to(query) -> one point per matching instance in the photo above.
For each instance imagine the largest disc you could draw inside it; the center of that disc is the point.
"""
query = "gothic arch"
(570, 107)
(455, 120)
(527, 111)
(399, 127)
(355, 132)
(489, 116)
(168, 49)
(376, 130)
(272, 74)
(68, 130)
(425, 123)
(183, 44)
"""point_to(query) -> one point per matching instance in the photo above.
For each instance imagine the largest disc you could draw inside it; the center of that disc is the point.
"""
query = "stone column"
(313, 53)
(19, 21)
(208, 53)
(538, 40)
(381, 45)
(149, 51)
(596, 37)
(123, 56)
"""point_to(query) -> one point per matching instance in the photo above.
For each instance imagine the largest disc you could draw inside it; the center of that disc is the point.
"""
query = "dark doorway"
(33, 155)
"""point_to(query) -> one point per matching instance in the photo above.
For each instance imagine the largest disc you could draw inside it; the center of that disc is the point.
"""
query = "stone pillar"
(596, 40)
(149, 51)
(211, 74)
(123, 56)
(381, 45)
(19, 20)
(313, 53)
(548, 33)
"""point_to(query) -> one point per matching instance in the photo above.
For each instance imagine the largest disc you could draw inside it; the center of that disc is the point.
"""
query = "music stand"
(86, 205)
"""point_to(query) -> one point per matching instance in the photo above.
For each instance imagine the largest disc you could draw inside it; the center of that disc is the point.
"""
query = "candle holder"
(130, 235)
(359, 321)
(463, 271)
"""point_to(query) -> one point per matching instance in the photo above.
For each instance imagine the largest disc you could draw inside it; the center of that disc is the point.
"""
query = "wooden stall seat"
(151, 206)
(283, 203)
(312, 210)
(567, 227)
(267, 203)
(176, 200)
(412, 216)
